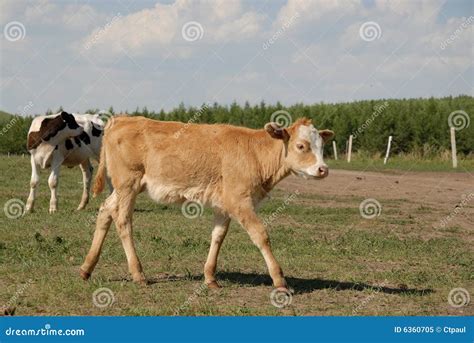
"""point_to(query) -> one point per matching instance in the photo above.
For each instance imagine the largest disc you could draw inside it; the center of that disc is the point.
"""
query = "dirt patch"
(438, 190)
(435, 200)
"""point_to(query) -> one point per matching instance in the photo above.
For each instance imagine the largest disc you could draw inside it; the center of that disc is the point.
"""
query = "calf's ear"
(326, 135)
(277, 132)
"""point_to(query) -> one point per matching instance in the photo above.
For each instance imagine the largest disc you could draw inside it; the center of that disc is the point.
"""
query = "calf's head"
(304, 147)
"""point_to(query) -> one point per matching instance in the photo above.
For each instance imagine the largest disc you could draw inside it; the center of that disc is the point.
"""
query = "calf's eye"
(300, 146)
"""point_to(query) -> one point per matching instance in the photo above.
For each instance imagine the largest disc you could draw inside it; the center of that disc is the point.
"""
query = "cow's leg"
(221, 224)
(53, 182)
(30, 203)
(107, 212)
(123, 223)
(259, 236)
(86, 168)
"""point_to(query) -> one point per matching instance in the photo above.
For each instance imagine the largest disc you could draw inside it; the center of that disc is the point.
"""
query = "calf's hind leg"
(221, 225)
(123, 223)
(107, 211)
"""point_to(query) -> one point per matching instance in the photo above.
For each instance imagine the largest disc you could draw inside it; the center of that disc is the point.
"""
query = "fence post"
(453, 147)
(335, 150)
(388, 150)
(349, 150)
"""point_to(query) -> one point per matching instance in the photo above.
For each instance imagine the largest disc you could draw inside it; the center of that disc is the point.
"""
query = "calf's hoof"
(53, 210)
(84, 275)
(213, 285)
(80, 207)
(140, 279)
(8, 311)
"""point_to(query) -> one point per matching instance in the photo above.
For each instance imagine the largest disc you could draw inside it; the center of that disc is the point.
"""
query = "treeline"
(418, 126)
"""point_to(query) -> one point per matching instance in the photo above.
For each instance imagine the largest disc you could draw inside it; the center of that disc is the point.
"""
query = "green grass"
(402, 163)
(337, 262)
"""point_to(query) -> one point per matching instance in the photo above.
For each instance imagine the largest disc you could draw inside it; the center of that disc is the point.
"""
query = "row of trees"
(417, 125)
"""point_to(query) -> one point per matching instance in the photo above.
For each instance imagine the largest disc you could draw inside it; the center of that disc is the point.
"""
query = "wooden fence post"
(335, 150)
(349, 150)
(453, 147)
(388, 149)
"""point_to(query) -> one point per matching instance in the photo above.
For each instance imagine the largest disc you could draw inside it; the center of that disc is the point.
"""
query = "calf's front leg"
(259, 236)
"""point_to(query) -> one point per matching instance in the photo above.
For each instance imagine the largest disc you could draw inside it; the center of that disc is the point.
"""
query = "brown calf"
(226, 167)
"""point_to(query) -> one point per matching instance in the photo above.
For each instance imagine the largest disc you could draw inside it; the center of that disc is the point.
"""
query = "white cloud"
(420, 10)
(9, 10)
(309, 11)
(318, 56)
(68, 16)
(158, 29)
(224, 9)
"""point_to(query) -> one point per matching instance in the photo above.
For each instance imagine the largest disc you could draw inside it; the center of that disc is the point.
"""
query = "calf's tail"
(99, 182)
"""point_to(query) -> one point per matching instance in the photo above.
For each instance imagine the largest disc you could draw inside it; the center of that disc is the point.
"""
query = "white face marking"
(310, 134)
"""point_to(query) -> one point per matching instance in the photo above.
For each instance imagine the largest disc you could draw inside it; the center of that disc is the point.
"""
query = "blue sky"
(93, 54)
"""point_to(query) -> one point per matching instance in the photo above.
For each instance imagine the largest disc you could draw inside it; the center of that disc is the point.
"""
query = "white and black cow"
(63, 139)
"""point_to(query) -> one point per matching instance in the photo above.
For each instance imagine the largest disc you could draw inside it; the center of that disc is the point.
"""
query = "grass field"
(338, 262)
(405, 163)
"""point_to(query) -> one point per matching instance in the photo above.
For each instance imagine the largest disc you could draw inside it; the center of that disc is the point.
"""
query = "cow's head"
(304, 147)
(62, 126)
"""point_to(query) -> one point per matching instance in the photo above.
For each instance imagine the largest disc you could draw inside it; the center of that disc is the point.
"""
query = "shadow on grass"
(299, 285)
(302, 286)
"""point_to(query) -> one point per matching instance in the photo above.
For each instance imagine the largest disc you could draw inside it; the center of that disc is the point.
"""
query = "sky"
(127, 53)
